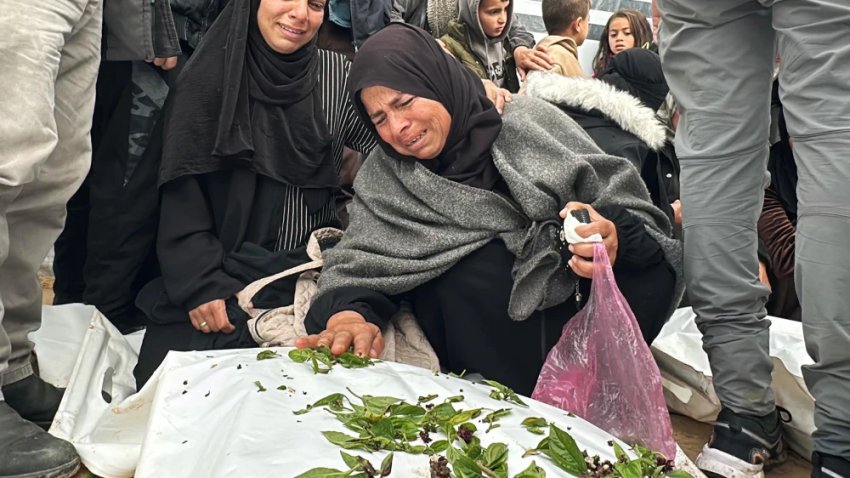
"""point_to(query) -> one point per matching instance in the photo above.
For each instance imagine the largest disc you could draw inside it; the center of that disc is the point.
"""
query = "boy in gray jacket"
(434, 16)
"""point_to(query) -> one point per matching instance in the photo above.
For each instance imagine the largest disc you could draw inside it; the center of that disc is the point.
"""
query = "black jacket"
(192, 18)
(620, 125)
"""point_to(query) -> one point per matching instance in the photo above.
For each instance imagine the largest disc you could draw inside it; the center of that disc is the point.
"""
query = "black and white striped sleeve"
(346, 126)
(357, 135)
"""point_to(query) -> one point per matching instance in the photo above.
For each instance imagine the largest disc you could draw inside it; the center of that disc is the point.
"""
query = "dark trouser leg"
(71, 248)
(70, 251)
(649, 293)
(125, 200)
(159, 340)
(464, 315)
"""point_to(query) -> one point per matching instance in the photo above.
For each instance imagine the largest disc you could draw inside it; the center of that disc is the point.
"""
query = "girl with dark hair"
(626, 28)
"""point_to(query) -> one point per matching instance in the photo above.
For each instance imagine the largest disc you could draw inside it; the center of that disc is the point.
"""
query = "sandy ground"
(690, 434)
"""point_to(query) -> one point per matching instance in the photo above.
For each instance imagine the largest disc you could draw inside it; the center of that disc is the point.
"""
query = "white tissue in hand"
(570, 225)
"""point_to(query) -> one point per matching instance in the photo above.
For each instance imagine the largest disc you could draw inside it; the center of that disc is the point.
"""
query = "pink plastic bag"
(602, 370)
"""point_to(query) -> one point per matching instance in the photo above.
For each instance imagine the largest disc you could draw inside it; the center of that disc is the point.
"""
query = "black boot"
(742, 446)
(27, 451)
(34, 399)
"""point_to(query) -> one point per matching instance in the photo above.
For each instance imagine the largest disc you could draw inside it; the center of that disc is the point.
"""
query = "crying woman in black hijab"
(460, 213)
(252, 148)
(452, 127)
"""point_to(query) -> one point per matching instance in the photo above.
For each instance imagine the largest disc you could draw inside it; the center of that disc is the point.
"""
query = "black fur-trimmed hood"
(589, 94)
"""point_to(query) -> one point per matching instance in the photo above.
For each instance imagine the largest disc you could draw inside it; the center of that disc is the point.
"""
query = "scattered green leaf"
(564, 451)
(322, 360)
(267, 354)
(356, 464)
(391, 424)
(492, 417)
(678, 474)
(387, 465)
(300, 355)
(496, 456)
(535, 425)
(619, 453)
(333, 401)
(426, 398)
(323, 473)
(533, 471)
(350, 460)
(502, 392)
(630, 469)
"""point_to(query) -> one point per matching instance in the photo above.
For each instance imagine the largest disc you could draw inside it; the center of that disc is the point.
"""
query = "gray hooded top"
(490, 51)
(434, 16)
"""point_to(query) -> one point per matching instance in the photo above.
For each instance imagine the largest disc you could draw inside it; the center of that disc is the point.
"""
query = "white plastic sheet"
(58, 341)
(688, 385)
(60, 338)
(201, 415)
(80, 349)
(208, 417)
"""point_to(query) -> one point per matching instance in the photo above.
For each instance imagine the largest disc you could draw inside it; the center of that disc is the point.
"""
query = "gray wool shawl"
(409, 225)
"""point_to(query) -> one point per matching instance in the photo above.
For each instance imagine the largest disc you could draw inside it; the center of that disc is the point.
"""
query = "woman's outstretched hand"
(582, 261)
(344, 330)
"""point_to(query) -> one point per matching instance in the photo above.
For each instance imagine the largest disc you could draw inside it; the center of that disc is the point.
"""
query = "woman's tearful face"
(412, 125)
(288, 25)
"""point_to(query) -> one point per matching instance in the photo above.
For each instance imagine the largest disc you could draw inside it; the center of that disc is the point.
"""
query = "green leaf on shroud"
(267, 354)
(564, 451)
(387, 465)
(333, 401)
(533, 471)
(323, 473)
(300, 355)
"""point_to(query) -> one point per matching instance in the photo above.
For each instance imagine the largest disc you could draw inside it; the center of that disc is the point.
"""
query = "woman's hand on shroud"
(581, 266)
(344, 330)
(211, 317)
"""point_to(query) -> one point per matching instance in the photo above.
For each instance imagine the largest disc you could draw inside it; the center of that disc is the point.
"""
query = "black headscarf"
(240, 103)
(407, 59)
(638, 71)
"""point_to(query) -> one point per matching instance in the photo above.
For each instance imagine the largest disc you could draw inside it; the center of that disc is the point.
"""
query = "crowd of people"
(226, 137)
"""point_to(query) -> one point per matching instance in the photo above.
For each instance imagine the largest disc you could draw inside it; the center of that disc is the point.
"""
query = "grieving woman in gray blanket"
(459, 214)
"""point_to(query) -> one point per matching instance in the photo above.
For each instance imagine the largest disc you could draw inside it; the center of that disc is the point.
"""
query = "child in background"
(567, 23)
(625, 29)
(479, 40)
